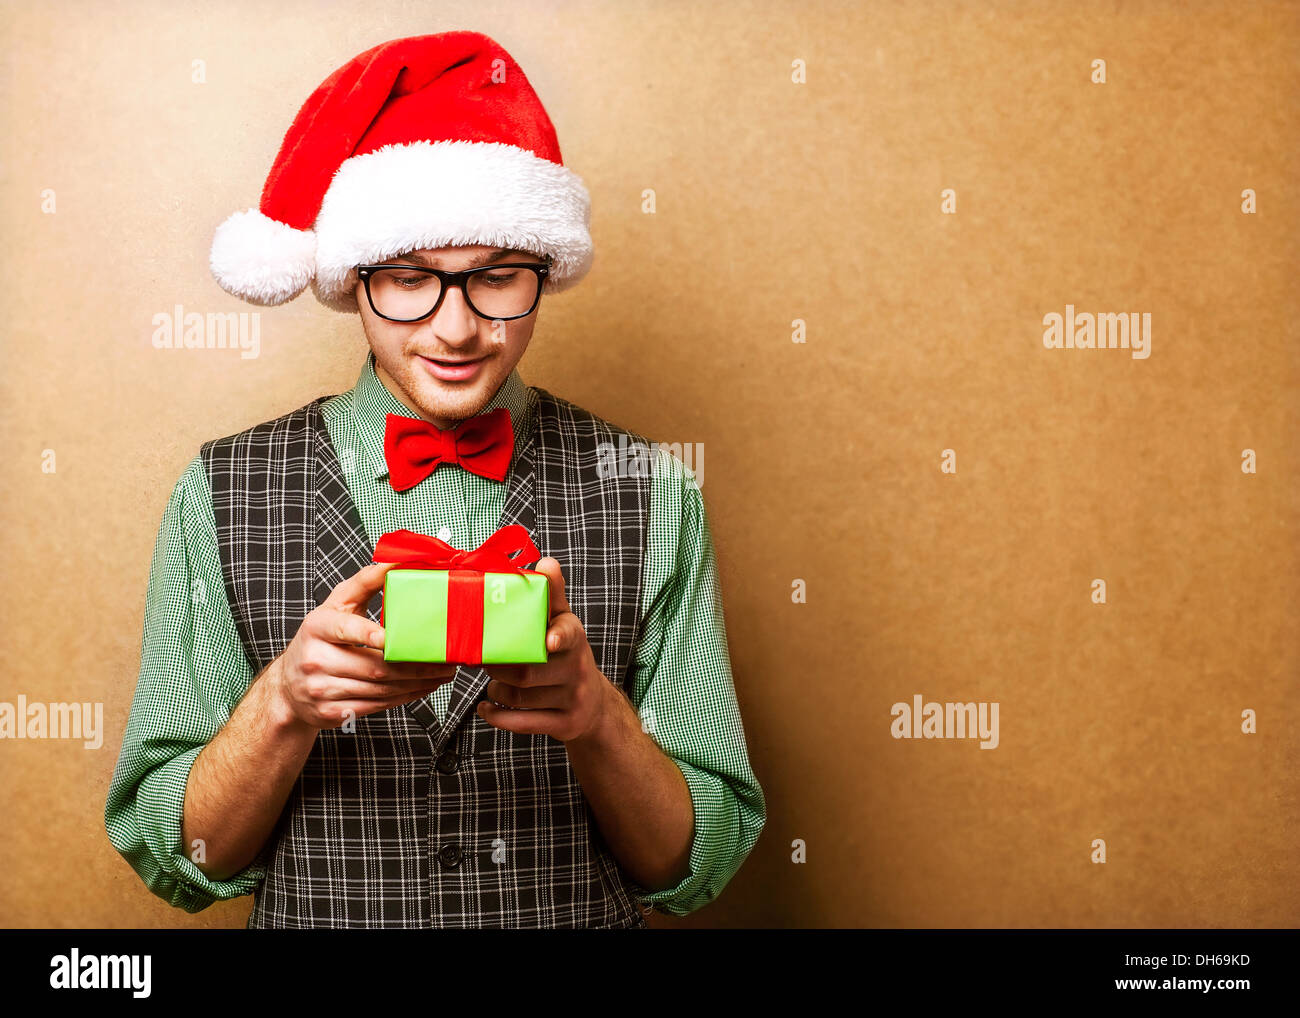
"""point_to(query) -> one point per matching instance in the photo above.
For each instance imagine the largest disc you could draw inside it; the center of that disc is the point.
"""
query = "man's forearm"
(241, 780)
(638, 795)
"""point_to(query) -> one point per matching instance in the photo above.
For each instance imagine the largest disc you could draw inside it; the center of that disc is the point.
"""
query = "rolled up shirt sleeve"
(192, 673)
(681, 685)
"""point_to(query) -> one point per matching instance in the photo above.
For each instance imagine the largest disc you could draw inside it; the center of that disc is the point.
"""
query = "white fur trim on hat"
(260, 259)
(425, 194)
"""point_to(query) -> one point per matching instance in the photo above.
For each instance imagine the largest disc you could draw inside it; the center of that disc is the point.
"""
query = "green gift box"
(463, 607)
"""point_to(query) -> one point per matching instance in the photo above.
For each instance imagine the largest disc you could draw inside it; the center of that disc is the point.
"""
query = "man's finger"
(354, 593)
(367, 663)
(340, 688)
(555, 582)
(501, 694)
(338, 626)
(409, 671)
(515, 675)
(564, 634)
(522, 722)
(524, 676)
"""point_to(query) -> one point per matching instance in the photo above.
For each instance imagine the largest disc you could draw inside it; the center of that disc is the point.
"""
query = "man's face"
(406, 354)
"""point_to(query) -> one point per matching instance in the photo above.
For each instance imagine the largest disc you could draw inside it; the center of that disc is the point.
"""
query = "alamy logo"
(25, 720)
(101, 972)
(636, 459)
(920, 720)
(1101, 331)
(229, 330)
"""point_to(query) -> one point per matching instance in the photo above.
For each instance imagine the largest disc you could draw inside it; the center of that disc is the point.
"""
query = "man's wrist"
(611, 725)
(280, 718)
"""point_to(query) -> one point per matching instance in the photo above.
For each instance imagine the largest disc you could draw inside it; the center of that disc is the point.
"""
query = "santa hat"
(426, 142)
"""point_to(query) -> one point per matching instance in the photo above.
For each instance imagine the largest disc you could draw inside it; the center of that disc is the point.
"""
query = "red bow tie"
(413, 447)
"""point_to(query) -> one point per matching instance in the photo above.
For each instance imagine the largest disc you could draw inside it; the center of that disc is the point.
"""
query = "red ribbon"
(503, 552)
(495, 555)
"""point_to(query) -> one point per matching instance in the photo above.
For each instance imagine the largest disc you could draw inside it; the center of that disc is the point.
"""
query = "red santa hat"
(426, 142)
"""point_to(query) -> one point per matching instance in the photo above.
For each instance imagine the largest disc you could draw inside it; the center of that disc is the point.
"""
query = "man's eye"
(499, 278)
(411, 282)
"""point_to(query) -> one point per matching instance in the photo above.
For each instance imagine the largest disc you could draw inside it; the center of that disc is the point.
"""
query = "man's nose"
(455, 323)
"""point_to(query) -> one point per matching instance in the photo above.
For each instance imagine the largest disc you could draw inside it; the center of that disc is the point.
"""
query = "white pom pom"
(262, 260)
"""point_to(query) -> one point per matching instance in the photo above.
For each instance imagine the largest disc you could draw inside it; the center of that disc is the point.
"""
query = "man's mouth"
(452, 370)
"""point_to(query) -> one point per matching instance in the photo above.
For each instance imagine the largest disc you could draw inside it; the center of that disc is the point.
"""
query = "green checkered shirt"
(193, 668)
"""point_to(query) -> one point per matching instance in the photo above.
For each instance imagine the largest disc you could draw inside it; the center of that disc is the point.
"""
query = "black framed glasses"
(411, 293)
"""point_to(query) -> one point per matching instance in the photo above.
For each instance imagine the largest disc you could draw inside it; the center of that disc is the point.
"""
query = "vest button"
(450, 855)
(448, 762)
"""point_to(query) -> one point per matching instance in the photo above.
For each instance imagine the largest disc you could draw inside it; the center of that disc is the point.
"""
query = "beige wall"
(776, 202)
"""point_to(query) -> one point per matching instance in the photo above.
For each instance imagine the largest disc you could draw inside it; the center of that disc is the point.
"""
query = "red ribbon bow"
(495, 555)
(413, 447)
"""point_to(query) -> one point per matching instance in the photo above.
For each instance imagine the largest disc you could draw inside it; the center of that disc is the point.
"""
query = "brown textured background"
(818, 202)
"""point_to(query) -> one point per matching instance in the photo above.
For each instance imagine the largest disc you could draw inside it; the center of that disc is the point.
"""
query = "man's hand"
(334, 667)
(566, 698)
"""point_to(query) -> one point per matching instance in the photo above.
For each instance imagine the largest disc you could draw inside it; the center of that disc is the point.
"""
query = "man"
(270, 748)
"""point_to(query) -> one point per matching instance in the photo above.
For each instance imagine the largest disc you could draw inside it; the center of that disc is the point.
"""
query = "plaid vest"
(408, 822)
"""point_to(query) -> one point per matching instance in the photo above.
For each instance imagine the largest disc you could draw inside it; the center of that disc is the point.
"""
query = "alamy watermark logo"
(25, 720)
(921, 720)
(74, 971)
(636, 459)
(179, 329)
(1101, 331)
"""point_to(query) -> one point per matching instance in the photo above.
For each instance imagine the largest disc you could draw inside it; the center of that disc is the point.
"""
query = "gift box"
(472, 607)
